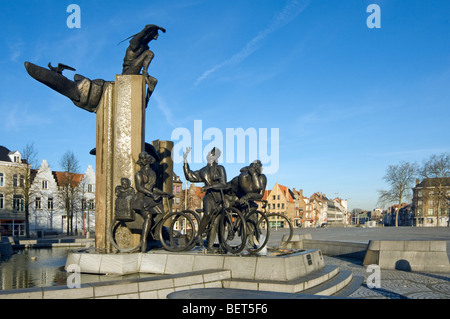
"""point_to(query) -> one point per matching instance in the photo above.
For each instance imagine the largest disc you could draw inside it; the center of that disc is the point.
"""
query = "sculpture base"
(281, 267)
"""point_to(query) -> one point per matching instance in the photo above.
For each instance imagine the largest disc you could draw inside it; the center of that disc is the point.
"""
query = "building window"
(50, 203)
(15, 180)
(431, 202)
(420, 193)
(419, 203)
(273, 197)
(1, 201)
(2, 179)
(282, 205)
(430, 211)
(90, 188)
(419, 211)
(37, 203)
(44, 184)
(18, 203)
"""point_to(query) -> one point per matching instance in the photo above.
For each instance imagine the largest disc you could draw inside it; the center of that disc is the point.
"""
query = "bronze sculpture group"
(229, 210)
(221, 198)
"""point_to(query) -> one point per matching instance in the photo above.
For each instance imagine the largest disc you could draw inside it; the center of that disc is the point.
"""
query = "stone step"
(293, 286)
(354, 285)
(332, 286)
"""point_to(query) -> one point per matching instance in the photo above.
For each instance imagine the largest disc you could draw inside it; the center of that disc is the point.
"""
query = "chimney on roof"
(417, 181)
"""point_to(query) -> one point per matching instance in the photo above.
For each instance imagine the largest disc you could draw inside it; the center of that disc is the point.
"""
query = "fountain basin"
(284, 267)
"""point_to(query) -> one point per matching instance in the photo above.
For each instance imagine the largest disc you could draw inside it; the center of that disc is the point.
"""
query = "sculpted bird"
(60, 68)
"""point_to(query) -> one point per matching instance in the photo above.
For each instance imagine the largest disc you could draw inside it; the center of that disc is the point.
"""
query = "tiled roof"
(287, 193)
(4, 154)
(433, 182)
(62, 179)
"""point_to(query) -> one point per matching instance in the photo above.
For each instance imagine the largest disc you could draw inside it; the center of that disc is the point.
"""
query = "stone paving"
(396, 284)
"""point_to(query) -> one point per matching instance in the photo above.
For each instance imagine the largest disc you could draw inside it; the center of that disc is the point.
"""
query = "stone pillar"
(120, 139)
(165, 169)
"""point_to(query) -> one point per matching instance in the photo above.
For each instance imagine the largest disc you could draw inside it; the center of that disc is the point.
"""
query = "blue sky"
(348, 100)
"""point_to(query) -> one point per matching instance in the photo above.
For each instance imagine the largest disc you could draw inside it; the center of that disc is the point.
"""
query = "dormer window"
(15, 157)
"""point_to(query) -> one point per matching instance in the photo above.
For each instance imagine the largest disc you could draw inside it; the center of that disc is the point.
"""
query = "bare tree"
(29, 154)
(437, 170)
(400, 178)
(69, 190)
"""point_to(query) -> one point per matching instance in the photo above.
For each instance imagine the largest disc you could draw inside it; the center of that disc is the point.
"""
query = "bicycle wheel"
(232, 234)
(257, 229)
(120, 237)
(181, 232)
(277, 220)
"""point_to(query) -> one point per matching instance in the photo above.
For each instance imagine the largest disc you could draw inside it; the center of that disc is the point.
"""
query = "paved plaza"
(395, 284)
(361, 234)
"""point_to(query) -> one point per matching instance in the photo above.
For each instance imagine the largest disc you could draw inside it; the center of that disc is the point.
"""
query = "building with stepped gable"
(47, 213)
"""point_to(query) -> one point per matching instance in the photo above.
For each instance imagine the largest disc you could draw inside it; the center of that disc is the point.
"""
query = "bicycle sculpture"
(247, 188)
(230, 213)
(143, 213)
(229, 209)
(214, 178)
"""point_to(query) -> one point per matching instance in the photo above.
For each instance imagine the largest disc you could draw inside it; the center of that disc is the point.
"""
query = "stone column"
(120, 139)
(165, 169)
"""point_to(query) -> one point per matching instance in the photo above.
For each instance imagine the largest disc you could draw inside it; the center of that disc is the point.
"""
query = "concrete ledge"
(157, 287)
(240, 294)
(279, 268)
(330, 248)
(292, 286)
(429, 256)
(51, 243)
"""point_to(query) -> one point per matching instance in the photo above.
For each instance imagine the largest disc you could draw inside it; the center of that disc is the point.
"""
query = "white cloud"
(162, 106)
(289, 13)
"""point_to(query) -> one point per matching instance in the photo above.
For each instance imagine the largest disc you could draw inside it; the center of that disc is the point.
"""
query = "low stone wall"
(338, 248)
(327, 247)
(279, 268)
(429, 256)
(157, 287)
(51, 243)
